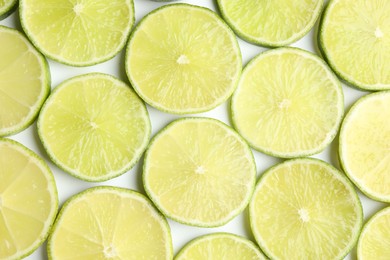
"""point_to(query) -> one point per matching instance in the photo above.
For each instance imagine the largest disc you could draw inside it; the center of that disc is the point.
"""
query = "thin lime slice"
(189, 63)
(24, 82)
(364, 149)
(374, 241)
(78, 33)
(94, 127)
(271, 23)
(6, 8)
(355, 39)
(305, 209)
(28, 200)
(198, 171)
(288, 103)
(110, 223)
(220, 246)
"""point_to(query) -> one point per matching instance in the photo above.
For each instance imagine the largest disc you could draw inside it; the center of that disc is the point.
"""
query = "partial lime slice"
(24, 82)
(189, 63)
(374, 241)
(110, 223)
(94, 127)
(288, 103)
(198, 171)
(355, 39)
(78, 33)
(305, 209)
(28, 200)
(271, 23)
(364, 149)
(220, 246)
(6, 8)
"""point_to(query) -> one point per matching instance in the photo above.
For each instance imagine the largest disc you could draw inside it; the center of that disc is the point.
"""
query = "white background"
(181, 234)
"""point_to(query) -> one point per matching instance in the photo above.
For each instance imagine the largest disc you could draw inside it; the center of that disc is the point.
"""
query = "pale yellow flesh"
(22, 81)
(27, 201)
(356, 39)
(190, 62)
(110, 224)
(304, 209)
(364, 150)
(218, 247)
(94, 126)
(197, 171)
(271, 22)
(78, 31)
(287, 103)
(374, 242)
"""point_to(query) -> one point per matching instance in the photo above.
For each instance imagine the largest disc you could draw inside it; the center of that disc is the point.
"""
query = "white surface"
(181, 234)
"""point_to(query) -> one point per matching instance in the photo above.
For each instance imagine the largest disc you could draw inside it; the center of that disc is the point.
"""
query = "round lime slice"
(6, 7)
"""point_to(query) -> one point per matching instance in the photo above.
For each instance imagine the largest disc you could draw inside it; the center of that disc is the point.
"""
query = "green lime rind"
(115, 190)
(183, 221)
(266, 43)
(190, 110)
(70, 63)
(52, 184)
(337, 173)
(341, 150)
(46, 81)
(232, 236)
(8, 9)
(331, 135)
(73, 172)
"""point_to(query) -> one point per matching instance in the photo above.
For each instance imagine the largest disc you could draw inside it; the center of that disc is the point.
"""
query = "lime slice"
(374, 241)
(288, 103)
(220, 246)
(364, 149)
(199, 172)
(109, 223)
(78, 33)
(94, 127)
(305, 209)
(355, 39)
(189, 63)
(28, 200)
(24, 82)
(6, 8)
(271, 23)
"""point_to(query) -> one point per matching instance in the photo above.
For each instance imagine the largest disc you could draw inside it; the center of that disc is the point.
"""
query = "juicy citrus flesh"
(355, 36)
(24, 82)
(274, 23)
(5, 6)
(287, 103)
(374, 241)
(199, 172)
(305, 209)
(94, 126)
(183, 65)
(220, 246)
(110, 223)
(78, 32)
(364, 153)
(28, 200)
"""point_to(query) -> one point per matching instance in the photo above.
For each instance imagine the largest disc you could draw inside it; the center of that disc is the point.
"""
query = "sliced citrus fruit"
(6, 8)
(374, 241)
(364, 150)
(305, 209)
(78, 33)
(109, 223)
(28, 200)
(220, 246)
(24, 82)
(94, 127)
(190, 63)
(198, 171)
(288, 103)
(355, 39)
(271, 23)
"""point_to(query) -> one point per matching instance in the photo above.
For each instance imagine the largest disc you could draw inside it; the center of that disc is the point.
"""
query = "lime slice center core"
(304, 215)
(284, 104)
(110, 252)
(78, 8)
(199, 170)
(183, 59)
(378, 33)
